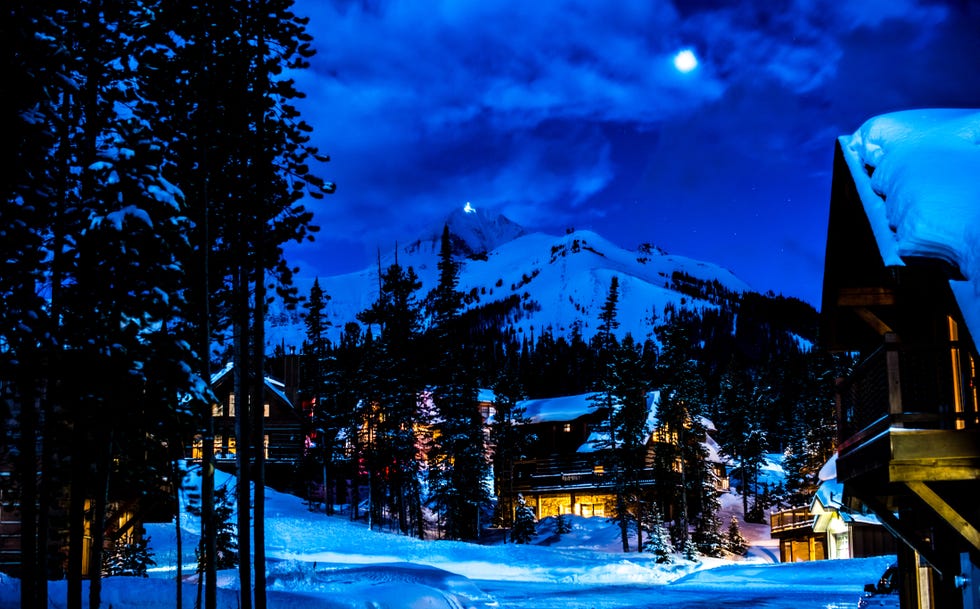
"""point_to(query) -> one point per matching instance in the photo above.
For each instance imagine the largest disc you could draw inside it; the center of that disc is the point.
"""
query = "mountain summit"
(474, 232)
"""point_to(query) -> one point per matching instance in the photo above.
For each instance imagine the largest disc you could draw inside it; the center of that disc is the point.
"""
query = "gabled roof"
(916, 174)
(275, 387)
(828, 500)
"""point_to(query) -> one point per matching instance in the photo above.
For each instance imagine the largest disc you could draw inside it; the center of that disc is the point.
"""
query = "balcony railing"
(899, 386)
(577, 472)
(791, 519)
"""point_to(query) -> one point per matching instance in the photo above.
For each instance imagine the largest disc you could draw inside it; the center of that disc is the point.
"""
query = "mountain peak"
(476, 232)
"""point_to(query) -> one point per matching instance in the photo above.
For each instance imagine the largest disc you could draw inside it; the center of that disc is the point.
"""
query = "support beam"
(866, 297)
(873, 320)
(946, 512)
(903, 533)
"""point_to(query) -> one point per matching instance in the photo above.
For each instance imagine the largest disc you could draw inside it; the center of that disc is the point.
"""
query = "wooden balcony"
(901, 421)
(792, 519)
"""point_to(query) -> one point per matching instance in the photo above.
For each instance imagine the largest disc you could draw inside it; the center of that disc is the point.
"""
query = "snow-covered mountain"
(553, 282)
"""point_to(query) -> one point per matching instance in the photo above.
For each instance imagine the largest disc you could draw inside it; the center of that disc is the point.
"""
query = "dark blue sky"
(561, 114)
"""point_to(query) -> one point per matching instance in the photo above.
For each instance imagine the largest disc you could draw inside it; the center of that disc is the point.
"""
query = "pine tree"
(621, 395)
(658, 539)
(458, 460)
(690, 550)
(812, 433)
(332, 414)
(745, 399)
(735, 542)
(129, 556)
(524, 527)
(680, 426)
(394, 403)
(509, 435)
(562, 525)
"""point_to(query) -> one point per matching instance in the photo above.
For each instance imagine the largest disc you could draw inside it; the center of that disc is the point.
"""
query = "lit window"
(231, 404)
(958, 397)
(265, 411)
(568, 427)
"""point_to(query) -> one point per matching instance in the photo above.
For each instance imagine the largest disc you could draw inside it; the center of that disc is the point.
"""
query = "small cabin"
(284, 429)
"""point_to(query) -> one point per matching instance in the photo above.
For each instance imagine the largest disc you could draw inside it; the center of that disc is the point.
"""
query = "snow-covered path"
(523, 595)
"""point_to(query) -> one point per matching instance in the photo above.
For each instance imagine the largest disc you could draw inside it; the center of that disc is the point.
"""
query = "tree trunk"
(683, 507)
(243, 437)
(175, 480)
(209, 526)
(44, 506)
(745, 488)
(29, 552)
(639, 526)
(623, 518)
(76, 516)
(101, 503)
(258, 406)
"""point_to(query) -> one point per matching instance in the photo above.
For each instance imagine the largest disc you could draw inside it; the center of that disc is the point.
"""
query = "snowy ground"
(330, 562)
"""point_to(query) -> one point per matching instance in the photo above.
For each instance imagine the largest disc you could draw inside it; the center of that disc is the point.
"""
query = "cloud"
(421, 104)
(556, 113)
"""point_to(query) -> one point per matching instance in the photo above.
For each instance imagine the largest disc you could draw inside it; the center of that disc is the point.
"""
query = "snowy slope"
(560, 281)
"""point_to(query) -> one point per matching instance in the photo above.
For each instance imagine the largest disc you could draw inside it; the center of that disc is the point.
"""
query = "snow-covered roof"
(275, 387)
(571, 407)
(829, 498)
(922, 196)
(485, 395)
(565, 408)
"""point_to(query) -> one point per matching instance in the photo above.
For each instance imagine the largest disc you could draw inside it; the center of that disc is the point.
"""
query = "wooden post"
(893, 377)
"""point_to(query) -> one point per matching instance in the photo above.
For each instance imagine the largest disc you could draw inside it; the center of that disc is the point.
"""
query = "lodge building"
(902, 289)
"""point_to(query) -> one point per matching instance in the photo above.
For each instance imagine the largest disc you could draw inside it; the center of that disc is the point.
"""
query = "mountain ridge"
(561, 281)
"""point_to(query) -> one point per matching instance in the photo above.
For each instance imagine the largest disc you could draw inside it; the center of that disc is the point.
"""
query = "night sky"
(576, 114)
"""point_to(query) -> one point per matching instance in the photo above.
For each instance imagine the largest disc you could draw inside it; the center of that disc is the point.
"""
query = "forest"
(155, 167)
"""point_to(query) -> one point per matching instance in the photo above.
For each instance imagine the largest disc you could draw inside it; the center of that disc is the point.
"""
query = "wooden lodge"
(565, 474)
(898, 295)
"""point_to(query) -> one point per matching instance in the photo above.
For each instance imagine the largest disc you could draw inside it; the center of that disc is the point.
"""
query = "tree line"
(155, 167)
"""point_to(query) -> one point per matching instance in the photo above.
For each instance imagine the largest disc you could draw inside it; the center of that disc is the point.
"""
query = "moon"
(685, 61)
